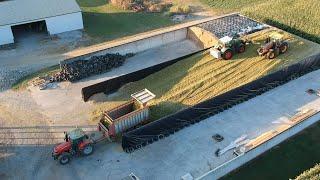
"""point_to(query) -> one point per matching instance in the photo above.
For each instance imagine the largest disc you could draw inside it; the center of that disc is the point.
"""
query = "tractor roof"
(76, 133)
(225, 39)
(276, 35)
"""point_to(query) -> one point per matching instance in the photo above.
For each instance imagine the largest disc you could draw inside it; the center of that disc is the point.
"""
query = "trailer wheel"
(64, 158)
(87, 150)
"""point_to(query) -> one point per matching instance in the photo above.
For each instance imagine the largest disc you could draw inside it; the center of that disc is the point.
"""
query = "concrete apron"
(240, 160)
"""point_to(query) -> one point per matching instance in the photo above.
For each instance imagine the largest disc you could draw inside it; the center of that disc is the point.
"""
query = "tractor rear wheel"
(64, 158)
(271, 55)
(242, 48)
(227, 54)
(284, 48)
(87, 150)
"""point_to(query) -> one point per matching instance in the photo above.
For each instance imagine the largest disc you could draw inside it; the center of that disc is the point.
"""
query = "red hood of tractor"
(60, 148)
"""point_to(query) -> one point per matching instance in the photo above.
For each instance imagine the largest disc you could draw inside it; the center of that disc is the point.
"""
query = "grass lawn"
(102, 21)
(200, 77)
(286, 160)
(300, 17)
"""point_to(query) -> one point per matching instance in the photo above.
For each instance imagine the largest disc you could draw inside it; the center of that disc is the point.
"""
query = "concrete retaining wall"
(235, 163)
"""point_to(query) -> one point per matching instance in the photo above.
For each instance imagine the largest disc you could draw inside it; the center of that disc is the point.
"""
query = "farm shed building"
(51, 16)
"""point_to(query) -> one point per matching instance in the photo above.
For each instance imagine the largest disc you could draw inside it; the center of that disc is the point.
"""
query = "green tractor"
(228, 46)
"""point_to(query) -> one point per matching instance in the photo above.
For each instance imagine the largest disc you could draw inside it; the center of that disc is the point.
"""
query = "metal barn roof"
(24, 11)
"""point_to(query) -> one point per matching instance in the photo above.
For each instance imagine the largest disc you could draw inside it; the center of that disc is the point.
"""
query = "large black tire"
(271, 55)
(87, 150)
(64, 158)
(227, 54)
(284, 47)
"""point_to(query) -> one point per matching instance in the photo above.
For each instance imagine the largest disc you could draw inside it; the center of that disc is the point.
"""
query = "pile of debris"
(80, 69)
(142, 5)
(40, 82)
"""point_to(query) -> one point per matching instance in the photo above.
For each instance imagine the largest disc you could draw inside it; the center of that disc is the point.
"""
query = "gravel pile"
(229, 25)
(9, 75)
(80, 69)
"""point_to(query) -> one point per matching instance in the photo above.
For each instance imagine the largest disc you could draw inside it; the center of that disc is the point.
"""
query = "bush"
(180, 9)
(156, 8)
(124, 4)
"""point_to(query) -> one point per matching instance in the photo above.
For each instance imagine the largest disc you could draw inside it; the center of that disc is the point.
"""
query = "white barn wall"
(64, 23)
(6, 36)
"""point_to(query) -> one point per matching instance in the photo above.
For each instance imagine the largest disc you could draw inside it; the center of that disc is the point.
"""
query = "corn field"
(300, 17)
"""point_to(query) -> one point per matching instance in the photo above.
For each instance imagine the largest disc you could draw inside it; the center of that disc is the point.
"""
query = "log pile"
(80, 69)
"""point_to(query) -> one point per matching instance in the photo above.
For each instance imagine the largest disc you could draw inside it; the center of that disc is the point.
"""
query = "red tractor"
(274, 45)
(76, 143)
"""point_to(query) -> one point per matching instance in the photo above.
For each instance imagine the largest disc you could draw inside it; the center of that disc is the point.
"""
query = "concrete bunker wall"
(235, 163)
(199, 36)
(149, 43)
(137, 46)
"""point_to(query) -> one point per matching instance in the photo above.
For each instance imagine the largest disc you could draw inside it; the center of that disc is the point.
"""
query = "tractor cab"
(276, 38)
(273, 46)
(76, 136)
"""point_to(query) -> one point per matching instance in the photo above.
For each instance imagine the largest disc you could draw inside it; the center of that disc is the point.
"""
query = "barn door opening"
(34, 30)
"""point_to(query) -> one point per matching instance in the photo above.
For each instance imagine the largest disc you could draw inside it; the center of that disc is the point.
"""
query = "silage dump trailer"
(115, 121)
(127, 115)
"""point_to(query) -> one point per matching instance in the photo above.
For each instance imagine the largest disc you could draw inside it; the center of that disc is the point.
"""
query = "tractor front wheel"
(87, 150)
(64, 158)
(227, 54)
(271, 55)
(284, 48)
